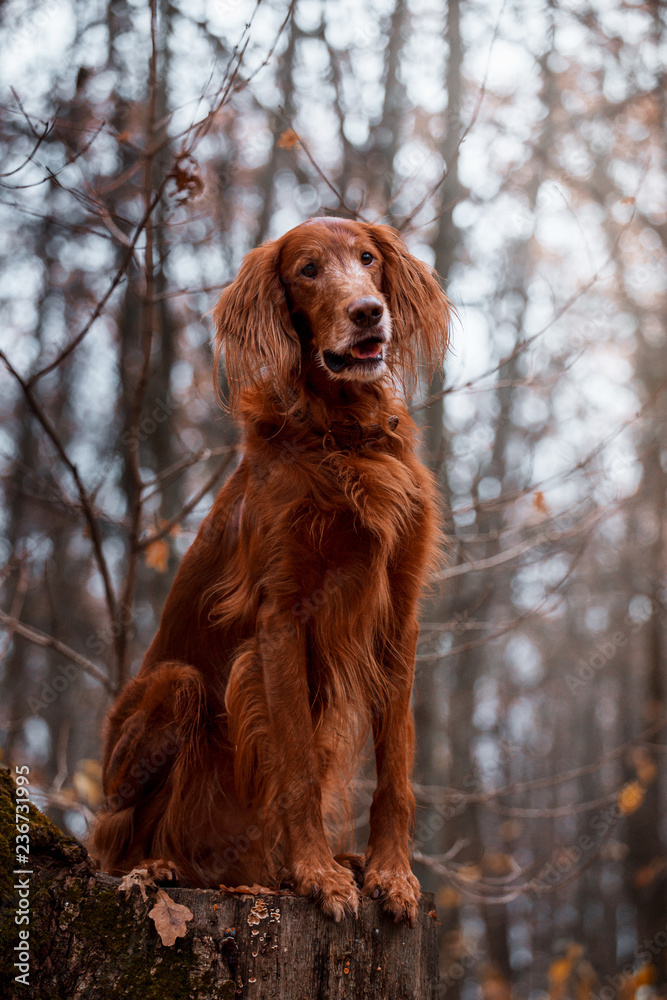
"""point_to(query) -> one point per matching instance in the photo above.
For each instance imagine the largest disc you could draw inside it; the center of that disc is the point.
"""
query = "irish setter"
(291, 627)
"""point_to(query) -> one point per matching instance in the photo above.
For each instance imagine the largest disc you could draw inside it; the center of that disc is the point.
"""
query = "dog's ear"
(421, 312)
(254, 328)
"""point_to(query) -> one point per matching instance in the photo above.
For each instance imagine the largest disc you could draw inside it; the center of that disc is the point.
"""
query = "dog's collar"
(350, 434)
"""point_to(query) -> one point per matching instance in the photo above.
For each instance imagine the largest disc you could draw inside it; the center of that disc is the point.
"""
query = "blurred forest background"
(520, 148)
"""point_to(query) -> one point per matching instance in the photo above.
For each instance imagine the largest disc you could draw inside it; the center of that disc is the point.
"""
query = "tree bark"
(88, 941)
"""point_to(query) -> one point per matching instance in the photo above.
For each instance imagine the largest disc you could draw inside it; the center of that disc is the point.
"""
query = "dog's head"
(346, 295)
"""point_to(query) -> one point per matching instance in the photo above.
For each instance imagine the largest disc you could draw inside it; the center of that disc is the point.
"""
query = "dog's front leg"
(388, 873)
(282, 647)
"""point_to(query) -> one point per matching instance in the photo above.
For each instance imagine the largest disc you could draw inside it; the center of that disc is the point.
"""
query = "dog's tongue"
(369, 349)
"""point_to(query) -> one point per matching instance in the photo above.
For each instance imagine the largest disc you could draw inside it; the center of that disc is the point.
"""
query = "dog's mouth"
(366, 354)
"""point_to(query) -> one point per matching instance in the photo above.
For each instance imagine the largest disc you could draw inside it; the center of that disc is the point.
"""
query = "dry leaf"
(138, 876)
(288, 140)
(185, 174)
(645, 976)
(169, 918)
(255, 890)
(448, 898)
(646, 875)
(471, 873)
(539, 503)
(644, 766)
(559, 972)
(493, 985)
(498, 864)
(630, 798)
(156, 555)
(511, 829)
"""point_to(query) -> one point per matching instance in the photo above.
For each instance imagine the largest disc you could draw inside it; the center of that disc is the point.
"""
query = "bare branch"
(99, 308)
(587, 524)
(48, 642)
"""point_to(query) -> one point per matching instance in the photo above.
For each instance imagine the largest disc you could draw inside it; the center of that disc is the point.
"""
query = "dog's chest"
(370, 500)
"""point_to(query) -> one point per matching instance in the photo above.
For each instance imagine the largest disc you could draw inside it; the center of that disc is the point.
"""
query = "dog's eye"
(367, 258)
(310, 270)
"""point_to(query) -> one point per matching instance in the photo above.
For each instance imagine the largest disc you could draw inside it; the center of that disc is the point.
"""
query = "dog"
(290, 631)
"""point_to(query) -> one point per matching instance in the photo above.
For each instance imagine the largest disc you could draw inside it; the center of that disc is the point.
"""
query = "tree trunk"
(88, 941)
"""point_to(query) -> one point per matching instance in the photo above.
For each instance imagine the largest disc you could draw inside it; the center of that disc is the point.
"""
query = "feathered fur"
(290, 630)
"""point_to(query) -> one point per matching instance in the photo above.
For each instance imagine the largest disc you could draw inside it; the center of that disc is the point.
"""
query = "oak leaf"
(170, 918)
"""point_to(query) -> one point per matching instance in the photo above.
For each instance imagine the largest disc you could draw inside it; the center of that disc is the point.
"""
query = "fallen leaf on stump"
(169, 918)
(255, 890)
(138, 876)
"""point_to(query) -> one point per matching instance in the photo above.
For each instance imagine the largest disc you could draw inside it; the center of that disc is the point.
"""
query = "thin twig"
(189, 506)
(517, 550)
(84, 498)
(48, 642)
(97, 312)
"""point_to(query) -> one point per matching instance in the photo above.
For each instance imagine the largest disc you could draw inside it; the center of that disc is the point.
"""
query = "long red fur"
(291, 627)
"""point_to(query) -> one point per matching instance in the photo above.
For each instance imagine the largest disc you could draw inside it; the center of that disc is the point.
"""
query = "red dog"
(291, 627)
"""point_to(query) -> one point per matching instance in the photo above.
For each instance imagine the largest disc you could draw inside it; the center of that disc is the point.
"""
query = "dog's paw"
(397, 889)
(333, 887)
(160, 870)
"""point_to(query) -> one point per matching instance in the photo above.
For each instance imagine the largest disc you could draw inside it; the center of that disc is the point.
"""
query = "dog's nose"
(365, 312)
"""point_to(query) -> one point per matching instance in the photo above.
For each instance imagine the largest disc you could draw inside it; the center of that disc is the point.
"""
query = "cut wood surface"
(88, 941)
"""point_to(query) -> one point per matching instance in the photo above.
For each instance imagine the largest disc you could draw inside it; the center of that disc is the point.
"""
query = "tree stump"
(88, 941)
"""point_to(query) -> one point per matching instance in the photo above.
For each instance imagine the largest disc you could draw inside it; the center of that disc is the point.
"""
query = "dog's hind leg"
(151, 729)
